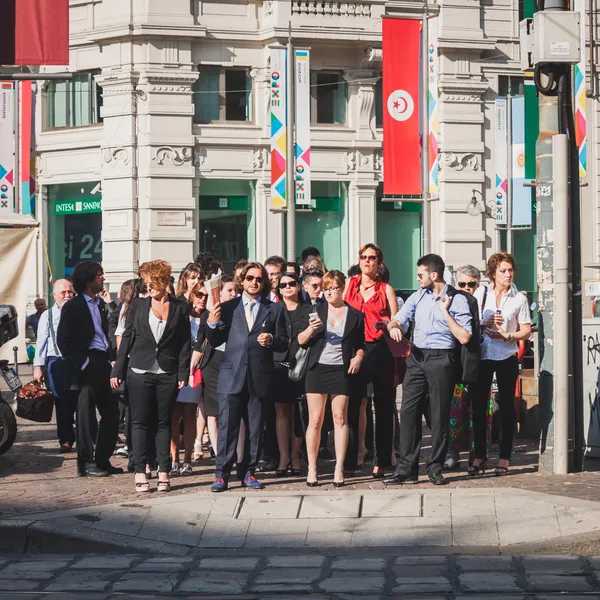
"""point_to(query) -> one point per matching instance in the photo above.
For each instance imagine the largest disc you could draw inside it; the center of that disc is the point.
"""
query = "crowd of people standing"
(274, 358)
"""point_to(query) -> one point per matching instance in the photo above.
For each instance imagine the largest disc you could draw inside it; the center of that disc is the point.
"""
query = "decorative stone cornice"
(176, 156)
(461, 91)
(114, 156)
(459, 162)
(167, 83)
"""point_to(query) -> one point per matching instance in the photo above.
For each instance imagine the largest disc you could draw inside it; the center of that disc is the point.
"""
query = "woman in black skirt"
(336, 337)
(288, 392)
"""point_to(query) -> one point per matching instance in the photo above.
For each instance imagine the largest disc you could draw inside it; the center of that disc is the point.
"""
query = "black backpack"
(468, 356)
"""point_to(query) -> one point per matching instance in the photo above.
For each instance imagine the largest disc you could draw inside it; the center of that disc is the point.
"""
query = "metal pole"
(509, 171)
(291, 150)
(560, 167)
(425, 131)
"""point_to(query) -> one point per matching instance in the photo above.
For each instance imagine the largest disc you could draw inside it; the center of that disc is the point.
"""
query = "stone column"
(362, 216)
(361, 102)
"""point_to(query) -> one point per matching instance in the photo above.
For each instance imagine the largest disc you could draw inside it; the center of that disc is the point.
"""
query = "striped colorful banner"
(501, 161)
(26, 97)
(433, 68)
(580, 98)
(520, 196)
(278, 128)
(7, 157)
(302, 106)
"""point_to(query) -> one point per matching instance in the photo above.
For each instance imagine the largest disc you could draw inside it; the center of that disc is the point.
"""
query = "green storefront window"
(399, 236)
(74, 225)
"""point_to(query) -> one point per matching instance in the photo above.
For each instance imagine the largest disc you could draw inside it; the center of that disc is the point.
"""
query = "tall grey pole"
(560, 168)
(425, 131)
(291, 150)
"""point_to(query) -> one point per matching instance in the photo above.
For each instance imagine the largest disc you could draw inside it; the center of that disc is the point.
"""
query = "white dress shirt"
(45, 347)
(514, 307)
(99, 342)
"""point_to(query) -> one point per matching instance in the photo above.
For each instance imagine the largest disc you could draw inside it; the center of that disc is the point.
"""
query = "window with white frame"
(328, 98)
(74, 103)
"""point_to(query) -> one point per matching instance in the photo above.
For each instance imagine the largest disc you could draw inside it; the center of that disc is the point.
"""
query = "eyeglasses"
(334, 288)
(372, 257)
(201, 295)
(470, 284)
(251, 278)
(286, 284)
(314, 286)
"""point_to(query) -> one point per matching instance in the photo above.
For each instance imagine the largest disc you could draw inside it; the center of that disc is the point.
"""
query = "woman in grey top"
(336, 337)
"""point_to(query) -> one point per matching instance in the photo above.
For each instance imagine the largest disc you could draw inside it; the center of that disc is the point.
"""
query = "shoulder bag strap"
(52, 332)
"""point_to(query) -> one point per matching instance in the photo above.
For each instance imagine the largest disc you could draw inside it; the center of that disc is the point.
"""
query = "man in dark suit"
(253, 328)
(82, 338)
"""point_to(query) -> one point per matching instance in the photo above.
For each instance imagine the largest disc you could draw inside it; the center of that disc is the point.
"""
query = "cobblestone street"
(281, 575)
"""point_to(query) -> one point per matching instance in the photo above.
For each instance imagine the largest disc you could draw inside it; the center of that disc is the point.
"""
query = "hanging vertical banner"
(433, 68)
(401, 135)
(532, 125)
(520, 196)
(278, 127)
(501, 161)
(26, 111)
(580, 98)
(302, 106)
(7, 131)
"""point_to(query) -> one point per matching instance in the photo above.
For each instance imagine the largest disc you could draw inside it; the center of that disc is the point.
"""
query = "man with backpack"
(440, 322)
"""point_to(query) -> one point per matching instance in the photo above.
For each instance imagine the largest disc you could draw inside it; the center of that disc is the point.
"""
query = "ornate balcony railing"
(333, 9)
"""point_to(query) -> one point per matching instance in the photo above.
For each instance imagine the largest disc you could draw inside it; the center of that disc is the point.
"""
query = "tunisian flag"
(401, 143)
(34, 32)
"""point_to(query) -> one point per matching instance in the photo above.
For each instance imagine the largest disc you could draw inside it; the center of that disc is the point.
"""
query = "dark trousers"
(95, 394)
(430, 372)
(151, 401)
(507, 372)
(377, 368)
(65, 400)
(270, 447)
(232, 409)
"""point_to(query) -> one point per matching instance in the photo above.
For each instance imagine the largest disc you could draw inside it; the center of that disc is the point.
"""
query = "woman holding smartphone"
(336, 338)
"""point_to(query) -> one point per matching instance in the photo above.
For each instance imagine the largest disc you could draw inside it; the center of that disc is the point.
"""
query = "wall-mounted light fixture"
(475, 207)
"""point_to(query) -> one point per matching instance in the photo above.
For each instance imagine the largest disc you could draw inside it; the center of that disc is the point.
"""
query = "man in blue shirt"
(439, 323)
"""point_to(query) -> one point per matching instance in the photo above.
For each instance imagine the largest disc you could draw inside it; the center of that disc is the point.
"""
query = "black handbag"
(35, 403)
(297, 371)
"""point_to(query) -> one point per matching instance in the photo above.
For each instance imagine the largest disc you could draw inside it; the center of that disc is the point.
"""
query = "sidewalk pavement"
(321, 576)
(441, 521)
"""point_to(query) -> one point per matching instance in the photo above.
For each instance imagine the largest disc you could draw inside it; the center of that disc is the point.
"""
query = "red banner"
(34, 32)
(401, 143)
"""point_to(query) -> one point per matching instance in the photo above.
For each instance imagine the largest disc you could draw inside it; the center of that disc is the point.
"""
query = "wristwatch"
(510, 338)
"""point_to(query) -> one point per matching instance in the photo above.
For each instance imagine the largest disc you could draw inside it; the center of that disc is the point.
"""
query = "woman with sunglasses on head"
(335, 336)
(460, 433)
(154, 355)
(189, 397)
(288, 392)
(377, 301)
(208, 360)
(506, 321)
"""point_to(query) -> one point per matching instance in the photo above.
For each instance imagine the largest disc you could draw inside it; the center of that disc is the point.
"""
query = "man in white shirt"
(49, 365)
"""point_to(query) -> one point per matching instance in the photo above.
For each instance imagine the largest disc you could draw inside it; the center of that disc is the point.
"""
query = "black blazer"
(352, 342)
(173, 351)
(295, 322)
(76, 330)
(202, 344)
(246, 362)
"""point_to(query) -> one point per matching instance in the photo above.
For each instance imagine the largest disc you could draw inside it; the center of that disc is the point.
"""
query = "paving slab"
(433, 531)
(488, 582)
(324, 506)
(384, 532)
(421, 572)
(538, 582)
(433, 585)
(146, 582)
(358, 564)
(295, 561)
(290, 588)
(484, 563)
(422, 560)
(330, 533)
(436, 504)
(104, 561)
(291, 576)
(355, 585)
(474, 531)
(15, 585)
(125, 521)
(397, 505)
(525, 522)
(230, 563)
(259, 507)
(83, 581)
(176, 564)
(554, 565)
(197, 584)
(276, 533)
(220, 532)
(173, 525)
(467, 506)
(575, 520)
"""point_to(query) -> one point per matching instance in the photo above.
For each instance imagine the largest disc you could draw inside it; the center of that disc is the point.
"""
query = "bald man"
(49, 365)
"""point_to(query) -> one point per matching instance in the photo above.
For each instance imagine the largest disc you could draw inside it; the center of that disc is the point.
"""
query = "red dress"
(376, 308)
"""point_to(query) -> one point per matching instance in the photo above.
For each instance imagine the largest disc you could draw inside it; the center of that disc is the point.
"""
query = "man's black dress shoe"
(267, 465)
(112, 470)
(437, 478)
(90, 470)
(397, 479)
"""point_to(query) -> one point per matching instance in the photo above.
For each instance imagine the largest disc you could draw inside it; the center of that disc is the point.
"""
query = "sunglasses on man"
(470, 284)
(251, 278)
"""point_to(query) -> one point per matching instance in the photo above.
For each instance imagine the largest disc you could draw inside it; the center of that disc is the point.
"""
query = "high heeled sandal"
(474, 469)
(142, 487)
(501, 471)
(163, 485)
(282, 472)
(198, 451)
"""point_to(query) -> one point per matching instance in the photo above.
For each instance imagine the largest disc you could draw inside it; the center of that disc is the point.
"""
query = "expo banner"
(7, 156)
(302, 105)
(501, 161)
(278, 105)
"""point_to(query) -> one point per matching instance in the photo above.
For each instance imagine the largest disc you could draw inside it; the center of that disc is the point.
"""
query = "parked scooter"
(8, 423)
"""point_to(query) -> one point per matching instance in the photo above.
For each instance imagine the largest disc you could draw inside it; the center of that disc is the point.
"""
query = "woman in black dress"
(289, 392)
(336, 337)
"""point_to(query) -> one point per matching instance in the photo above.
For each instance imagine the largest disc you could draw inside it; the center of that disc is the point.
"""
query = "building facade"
(159, 147)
